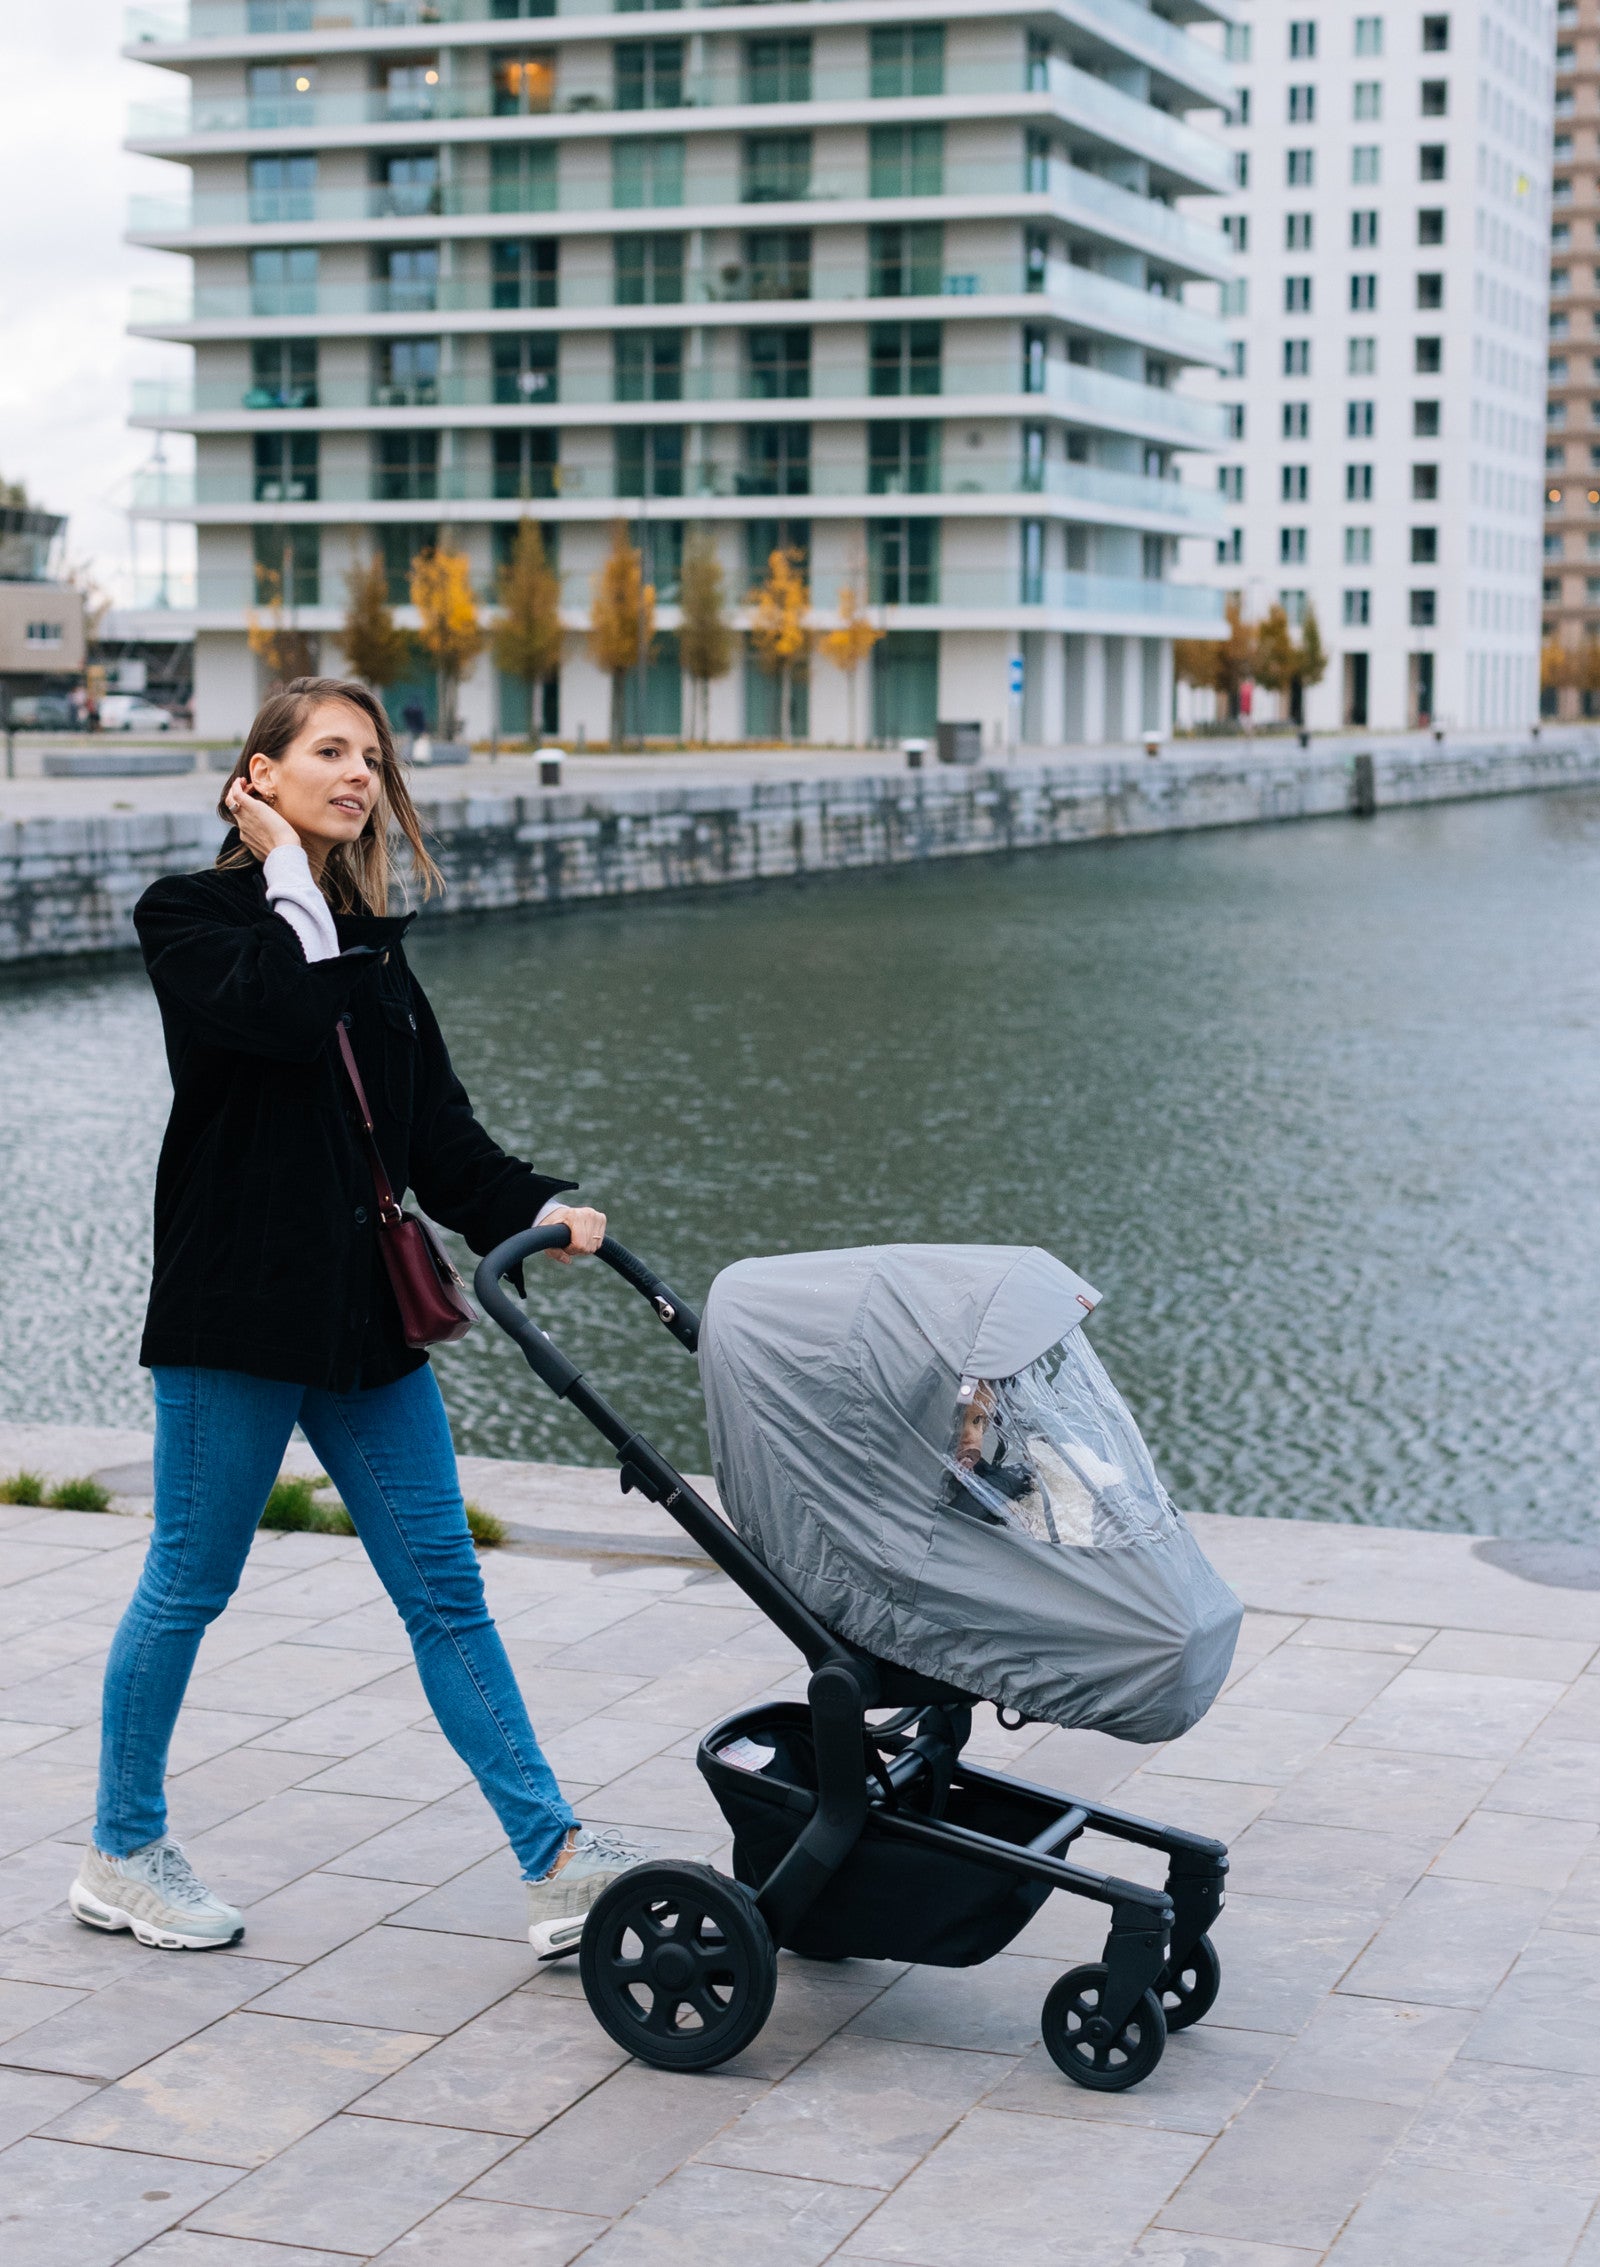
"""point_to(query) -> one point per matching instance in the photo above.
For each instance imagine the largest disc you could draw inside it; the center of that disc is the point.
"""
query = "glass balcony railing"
(1072, 593)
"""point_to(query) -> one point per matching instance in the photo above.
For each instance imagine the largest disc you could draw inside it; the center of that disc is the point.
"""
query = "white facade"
(1387, 347)
(905, 292)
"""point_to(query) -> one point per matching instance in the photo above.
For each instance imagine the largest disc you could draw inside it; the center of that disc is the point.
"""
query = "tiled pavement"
(1403, 2069)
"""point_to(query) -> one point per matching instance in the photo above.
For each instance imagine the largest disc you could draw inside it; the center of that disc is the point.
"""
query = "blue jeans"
(220, 1438)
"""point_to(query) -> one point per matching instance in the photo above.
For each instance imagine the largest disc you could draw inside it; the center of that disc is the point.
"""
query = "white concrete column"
(1049, 658)
(1094, 691)
(1115, 709)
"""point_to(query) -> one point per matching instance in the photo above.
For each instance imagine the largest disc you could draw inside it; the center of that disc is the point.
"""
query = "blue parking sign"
(1016, 676)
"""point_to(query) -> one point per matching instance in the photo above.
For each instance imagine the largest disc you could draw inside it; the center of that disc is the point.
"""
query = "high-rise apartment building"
(1386, 342)
(1572, 438)
(901, 292)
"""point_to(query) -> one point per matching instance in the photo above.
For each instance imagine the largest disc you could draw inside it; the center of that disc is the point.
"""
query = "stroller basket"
(860, 1833)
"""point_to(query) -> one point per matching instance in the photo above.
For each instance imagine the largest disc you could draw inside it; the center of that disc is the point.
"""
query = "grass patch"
(487, 1531)
(293, 1508)
(79, 1495)
(22, 1487)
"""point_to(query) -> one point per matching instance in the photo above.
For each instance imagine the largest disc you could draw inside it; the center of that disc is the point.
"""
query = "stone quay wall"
(68, 886)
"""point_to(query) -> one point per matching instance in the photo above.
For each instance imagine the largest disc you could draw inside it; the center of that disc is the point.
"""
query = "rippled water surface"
(1318, 1109)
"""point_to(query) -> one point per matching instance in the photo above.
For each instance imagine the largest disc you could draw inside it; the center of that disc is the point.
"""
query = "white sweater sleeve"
(295, 898)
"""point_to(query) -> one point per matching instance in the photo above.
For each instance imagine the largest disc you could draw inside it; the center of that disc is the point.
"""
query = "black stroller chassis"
(859, 1829)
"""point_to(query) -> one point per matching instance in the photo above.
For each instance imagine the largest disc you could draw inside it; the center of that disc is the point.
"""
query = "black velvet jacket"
(266, 1256)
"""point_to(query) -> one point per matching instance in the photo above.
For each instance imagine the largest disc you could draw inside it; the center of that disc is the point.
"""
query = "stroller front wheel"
(1189, 1990)
(678, 1965)
(1075, 2035)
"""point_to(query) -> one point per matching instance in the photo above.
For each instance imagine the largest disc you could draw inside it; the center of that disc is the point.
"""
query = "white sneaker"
(559, 1905)
(154, 1892)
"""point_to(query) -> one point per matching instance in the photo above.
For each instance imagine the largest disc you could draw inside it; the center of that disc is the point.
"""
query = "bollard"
(1152, 743)
(1304, 737)
(915, 753)
(549, 766)
(1363, 788)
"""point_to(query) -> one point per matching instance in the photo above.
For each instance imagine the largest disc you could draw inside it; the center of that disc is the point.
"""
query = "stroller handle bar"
(544, 1356)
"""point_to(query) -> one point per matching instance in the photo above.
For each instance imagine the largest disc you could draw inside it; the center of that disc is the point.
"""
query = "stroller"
(936, 1493)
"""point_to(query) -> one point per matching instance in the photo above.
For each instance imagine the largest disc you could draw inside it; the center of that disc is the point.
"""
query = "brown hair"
(356, 876)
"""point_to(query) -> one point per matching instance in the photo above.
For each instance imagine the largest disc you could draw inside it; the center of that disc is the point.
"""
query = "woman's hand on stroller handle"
(586, 1231)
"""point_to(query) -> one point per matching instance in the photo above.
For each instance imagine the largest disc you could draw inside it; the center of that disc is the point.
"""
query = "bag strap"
(389, 1212)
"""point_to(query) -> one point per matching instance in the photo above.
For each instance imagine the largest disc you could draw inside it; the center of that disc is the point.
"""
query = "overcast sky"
(66, 365)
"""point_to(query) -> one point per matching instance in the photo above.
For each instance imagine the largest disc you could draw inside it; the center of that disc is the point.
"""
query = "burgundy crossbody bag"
(434, 1309)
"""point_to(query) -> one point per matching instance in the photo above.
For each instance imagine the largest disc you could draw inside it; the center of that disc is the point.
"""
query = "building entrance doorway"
(1355, 688)
(905, 685)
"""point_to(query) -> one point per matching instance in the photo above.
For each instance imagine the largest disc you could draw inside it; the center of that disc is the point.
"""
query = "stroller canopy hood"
(834, 1382)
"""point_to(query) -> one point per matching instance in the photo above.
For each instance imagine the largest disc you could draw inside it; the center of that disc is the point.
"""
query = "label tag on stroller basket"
(746, 1755)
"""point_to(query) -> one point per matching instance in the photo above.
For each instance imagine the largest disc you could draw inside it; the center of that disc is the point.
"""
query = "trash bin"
(960, 743)
(915, 753)
(1152, 743)
(549, 766)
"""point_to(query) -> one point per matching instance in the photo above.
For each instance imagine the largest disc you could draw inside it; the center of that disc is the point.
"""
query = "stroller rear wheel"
(678, 1965)
(1189, 1989)
(1081, 2043)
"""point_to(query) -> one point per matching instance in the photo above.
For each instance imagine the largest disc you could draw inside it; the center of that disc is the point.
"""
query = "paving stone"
(861, 2110)
(1009, 2187)
(993, 2008)
(431, 1846)
(1534, 2126)
(30, 1654)
(1170, 2247)
(1374, 2050)
(42, 1798)
(311, 1674)
(656, 1639)
(1528, 1853)
(1317, 1679)
(1449, 1944)
(1205, 2077)
(415, 1765)
(241, 2091)
(1475, 1652)
(603, 1747)
(24, 2005)
(53, 1948)
(30, 2099)
(468, 2233)
(711, 2216)
(1551, 1779)
(356, 2184)
(372, 1628)
(184, 2248)
(510, 2070)
(403, 1980)
(1289, 2170)
(346, 1726)
(214, 1792)
(1425, 1712)
(665, 1792)
(619, 2141)
(1459, 2219)
(1576, 1716)
(816, 2000)
(1078, 1763)
(1280, 1956)
(1368, 1789)
(61, 2203)
(151, 2008)
(35, 1879)
(1547, 2012)
(488, 1899)
(567, 1621)
(692, 1693)
(1203, 1806)
(242, 1631)
(294, 1833)
(556, 1698)
(313, 1915)
(1578, 1906)
(1252, 1745)
(17, 1737)
(1399, 1638)
(62, 1697)
(332, 1587)
(1341, 1865)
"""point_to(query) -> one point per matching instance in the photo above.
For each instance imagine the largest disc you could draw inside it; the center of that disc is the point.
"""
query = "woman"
(270, 1305)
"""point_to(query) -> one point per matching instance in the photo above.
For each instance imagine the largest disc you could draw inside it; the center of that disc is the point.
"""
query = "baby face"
(975, 1416)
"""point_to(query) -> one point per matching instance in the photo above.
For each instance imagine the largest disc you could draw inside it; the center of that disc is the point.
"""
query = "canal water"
(1316, 1107)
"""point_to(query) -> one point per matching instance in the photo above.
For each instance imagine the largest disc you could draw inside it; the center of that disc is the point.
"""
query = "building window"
(1302, 106)
(906, 259)
(907, 59)
(1234, 297)
(525, 366)
(1369, 35)
(778, 364)
(1428, 356)
(903, 458)
(907, 161)
(1297, 358)
(1238, 111)
(1430, 225)
(1297, 295)
(1422, 609)
(1236, 43)
(1363, 294)
(1424, 546)
(283, 281)
(1297, 421)
(283, 188)
(778, 68)
(1297, 232)
(1435, 98)
(1431, 161)
(1241, 169)
(903, 562)
(406, 373)
(1236, 228)
(1233, 420)
(1300, 168)
(408, 279)
(1358, 483)
(1360, 420)
(647, 365)
(523, 83)
(1302, 41)
(1361, 357)
(644, 170)
(525, 463)
(286, 468)
(649, 459)
(1357, 546)
(1238, 357)
(1291, 546)
(283, 374)
(1294, 484)
(405, 466)
(1435, 34)
(1365, 165)
(1230, 482)
(522, 178)
(1425, 483)
(1357, 609)
(647, 271)
(288, 565)
(777, 168)
(1550, 590)
(648, 74)
(907, 358)
(1430, 293)
(1363, 229)
(777, 461)
(523, 271)
(1230, 548)
(777, 263)
(1367, 99)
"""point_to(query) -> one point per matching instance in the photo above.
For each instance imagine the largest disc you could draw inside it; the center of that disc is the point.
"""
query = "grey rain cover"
(833, 1386)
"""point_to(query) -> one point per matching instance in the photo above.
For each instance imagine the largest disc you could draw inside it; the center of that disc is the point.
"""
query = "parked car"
(129, 712)
(44, 712)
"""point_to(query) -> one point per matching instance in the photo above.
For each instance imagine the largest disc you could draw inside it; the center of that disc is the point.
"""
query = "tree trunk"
(619, 679)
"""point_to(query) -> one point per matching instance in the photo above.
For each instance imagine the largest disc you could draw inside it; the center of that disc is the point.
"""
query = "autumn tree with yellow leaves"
(527, 639)
(375, 648)
(780, 626)
(451, 630)
(848, 646)
(705, 635)
(284, 650)
(622, 622)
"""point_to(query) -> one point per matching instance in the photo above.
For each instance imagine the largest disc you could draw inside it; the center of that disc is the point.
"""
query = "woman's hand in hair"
(587, 1226)
(261, 828)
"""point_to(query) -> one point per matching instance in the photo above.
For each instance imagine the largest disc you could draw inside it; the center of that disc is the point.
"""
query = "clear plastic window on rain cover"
(1054, 1453)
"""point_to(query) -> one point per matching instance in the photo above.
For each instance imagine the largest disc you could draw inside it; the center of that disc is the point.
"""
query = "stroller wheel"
(1190, 1991)
(678, 1966)
(1071, 2025)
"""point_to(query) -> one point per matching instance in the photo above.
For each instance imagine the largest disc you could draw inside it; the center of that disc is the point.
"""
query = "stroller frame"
(679, 1963)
